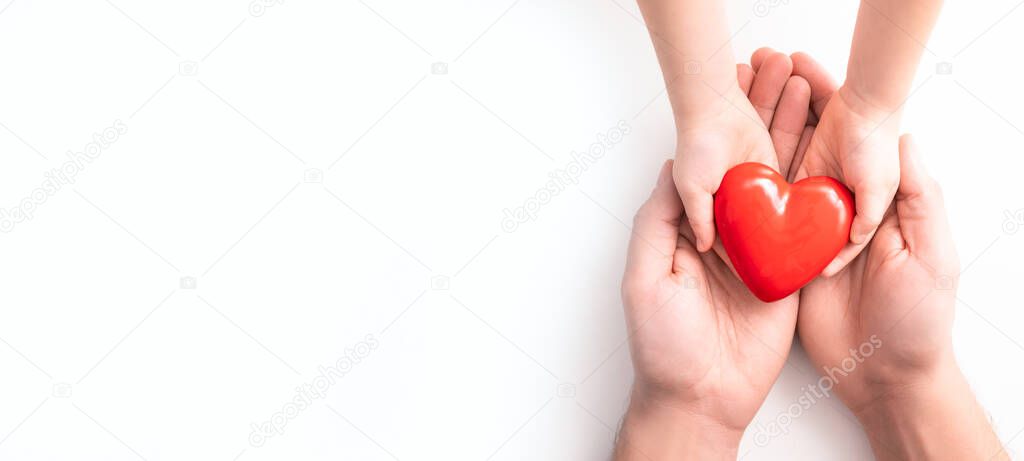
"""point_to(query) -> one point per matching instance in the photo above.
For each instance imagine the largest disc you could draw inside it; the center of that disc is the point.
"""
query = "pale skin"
(703, 348)
(902, 290)
(688, 312)
(718, 128)
(705, 352)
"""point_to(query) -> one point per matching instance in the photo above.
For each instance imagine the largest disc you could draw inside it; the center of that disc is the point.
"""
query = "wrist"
(868, 105)
(695, 102)
(884, 393)
(654, 429)
(932, 416)
(902, 376)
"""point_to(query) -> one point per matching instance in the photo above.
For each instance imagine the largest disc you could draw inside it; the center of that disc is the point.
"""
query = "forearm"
(691, 39)
(888, 41)
(654, 432)
(938, 419)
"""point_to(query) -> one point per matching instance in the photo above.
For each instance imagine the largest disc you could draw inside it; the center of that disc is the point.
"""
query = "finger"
(888, 238)
(821, 82)
(847, 254)
(655, 231)
(767, 87)
(759, 56)
(717, 250)
(920, 206)
(796, 169)
(745, 77)
(884, 241)
(789, 121)
(871, 198)
(699, 207)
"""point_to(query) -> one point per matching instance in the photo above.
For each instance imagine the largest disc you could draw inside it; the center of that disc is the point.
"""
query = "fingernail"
(708, 245)
(698, 240)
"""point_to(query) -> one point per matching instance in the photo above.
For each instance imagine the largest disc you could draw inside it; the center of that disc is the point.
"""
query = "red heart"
(779, 236)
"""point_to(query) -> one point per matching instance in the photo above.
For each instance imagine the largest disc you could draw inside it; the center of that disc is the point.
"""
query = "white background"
(105, 356)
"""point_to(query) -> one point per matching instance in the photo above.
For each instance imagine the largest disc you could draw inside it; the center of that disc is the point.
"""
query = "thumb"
(699, 205)
(871, 199)
(655, 231)
(920, 206)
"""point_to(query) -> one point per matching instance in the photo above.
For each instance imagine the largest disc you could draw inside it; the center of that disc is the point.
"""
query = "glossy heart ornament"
(779, 236)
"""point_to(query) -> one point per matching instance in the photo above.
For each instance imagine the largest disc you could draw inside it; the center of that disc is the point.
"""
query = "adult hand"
(705, 351)
(880, 329)
(893, 305)
(901, 287)
(781, 99)
(909, 263)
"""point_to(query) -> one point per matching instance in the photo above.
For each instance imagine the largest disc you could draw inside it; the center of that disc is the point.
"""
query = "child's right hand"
(856, 143)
